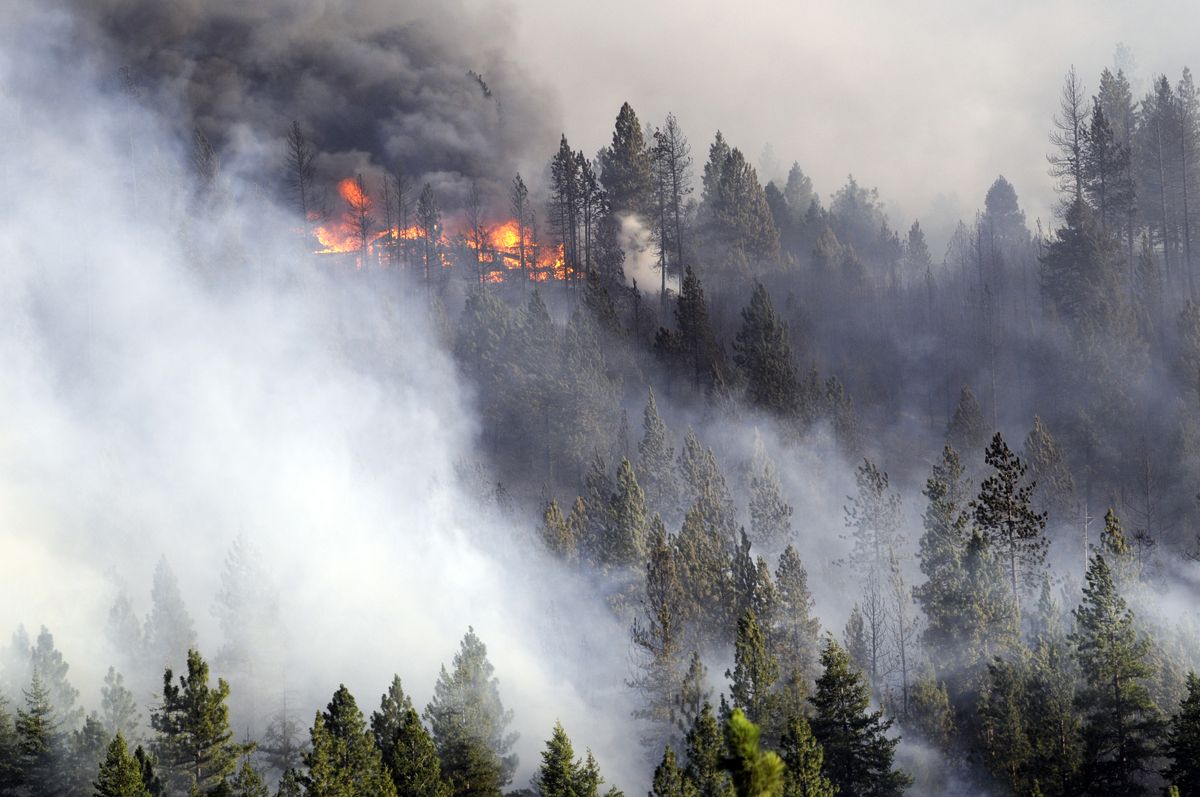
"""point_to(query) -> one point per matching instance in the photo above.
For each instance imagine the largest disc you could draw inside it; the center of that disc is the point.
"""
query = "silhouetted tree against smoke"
(300, 165)
(626, 165)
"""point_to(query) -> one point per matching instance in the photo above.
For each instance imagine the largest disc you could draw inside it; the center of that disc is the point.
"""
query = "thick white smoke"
(174, 379)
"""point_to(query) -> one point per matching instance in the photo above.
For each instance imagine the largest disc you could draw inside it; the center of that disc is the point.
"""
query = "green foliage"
(120, 774)
(561, 774)
(1122, 725)
(1183, 741)
(1002, 718)
(408, 751)
(1048, 470)
(669, 780)
(40, 742)
(858, 752)
(1004, 514)
(754, 673)
(967, 431)
(770, 515)
(344, 760)
(169, 633)
(804, 758)
(625, 165)
(794, 640)
(873, 517)
(705, 748)
(469, 724)
(658, 638)
(656, 462)
(557, 534)
(764, 355)
(194, 743)
(119, 709)
(625, 543)
(753, 772)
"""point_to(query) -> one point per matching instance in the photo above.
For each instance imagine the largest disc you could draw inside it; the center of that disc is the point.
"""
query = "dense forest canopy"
(363, 436)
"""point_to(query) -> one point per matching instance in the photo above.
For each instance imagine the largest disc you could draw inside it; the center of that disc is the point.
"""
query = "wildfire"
(500, 252)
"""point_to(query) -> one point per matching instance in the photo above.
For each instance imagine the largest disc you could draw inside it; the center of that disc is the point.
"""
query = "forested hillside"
(753, 489)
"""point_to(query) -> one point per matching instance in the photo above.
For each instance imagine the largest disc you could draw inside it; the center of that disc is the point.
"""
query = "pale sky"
(916, 98)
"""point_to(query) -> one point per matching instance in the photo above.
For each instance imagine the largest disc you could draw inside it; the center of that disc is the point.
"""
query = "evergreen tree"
(169, 633)
(658, 638)
(625, 545)
(343, 759)
(930, 716)
(281, 746)
(247, 782)
(120, 774)
(290, 785)
(804, 758)
(703, 568)
(770, 515)
(705, 749)
(967, 431)
(409, 754)
(1005, 516)
(1108, 182)
(669, 780)
(741, 215)
(1121, 723)
(40, 742)
(119, 709)
(557, 534)
(194, 743)
(1118, 553)
(469, 724)
(626, 168)
(1048, 470)
(858, 753)
(48, 663)
(561, 774)
(85, 751)
(763, 353)
(1053, 728)
(753, 772)
(942, 548)
(694, 339)
(1183, 741)
(795, 639)
(873, 516)
(705, 489)
(755, 671)
(10, 751)
(656, 462)
(1002, 718)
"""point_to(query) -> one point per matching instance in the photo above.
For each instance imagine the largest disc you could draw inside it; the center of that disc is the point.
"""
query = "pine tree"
(705, 749)
(1108, 182)
(1054, 729)
(705, 488)
(10, 751)
(1183, 741)
(770, 515)
(120, 774)
(669, 780)
(967, 431)
(625, 545)
(409, 755)
(625, 165)
(741, 216)
(695, 339)
(1048, 469)
(119, 709)
(658, 638)
(247, 782)
(795, 639)
(754, 672)
(942, 548)
(47, 661)
(343, 759)
(469, 724)
(763, 353)
(194, 743)
(85, 750)
(703, 568)
(1002, 717)
(1118, 553)
(561, 774)
(930, 716)
(873, 516)
(804, 758)
(1121, 723)
(858, 753)
(753, 772)
(290, 785)
(1005, 516)
(169, 633)
(656, 462)
(40, 741)
(557, 534)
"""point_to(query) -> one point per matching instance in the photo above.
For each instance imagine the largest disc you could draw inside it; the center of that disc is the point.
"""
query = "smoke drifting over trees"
(363, 434)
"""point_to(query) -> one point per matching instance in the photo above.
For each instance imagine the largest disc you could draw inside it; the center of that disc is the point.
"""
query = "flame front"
(503, 244)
